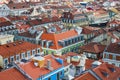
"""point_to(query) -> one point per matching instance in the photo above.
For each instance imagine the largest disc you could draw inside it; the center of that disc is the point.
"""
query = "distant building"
(41, 68)
(4, 10)
(8, 28)
(103, 71)
(93, 50)
(74, 18)
(62, 42)
(49, 67)
(16, 51)
(17, 8)
(112, 54)
(4, 39)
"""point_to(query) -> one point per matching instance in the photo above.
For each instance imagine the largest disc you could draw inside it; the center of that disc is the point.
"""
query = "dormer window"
(104, 73)
(112, 69)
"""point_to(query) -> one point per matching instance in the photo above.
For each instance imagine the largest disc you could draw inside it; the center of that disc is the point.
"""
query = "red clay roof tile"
(56, 37)
(11, 74)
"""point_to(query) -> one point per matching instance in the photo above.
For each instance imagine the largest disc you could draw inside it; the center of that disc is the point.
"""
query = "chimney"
(49, 65)
(68, 59)
(96, 48)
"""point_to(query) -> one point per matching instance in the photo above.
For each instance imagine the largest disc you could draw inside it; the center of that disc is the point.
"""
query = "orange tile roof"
(88, 64)
(105, 67)
(56, 37)
(17, 47)
(2, 19)
(35, 72)
(11, 74)
(23, 27)
(88, 30)
(93, 47)
(86, 76)
(113, 48)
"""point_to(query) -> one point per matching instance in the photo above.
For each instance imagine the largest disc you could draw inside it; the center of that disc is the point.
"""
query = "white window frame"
(5, 60)
(114, 57)
(11, 59)
(33, 52)
(28, 52)
(107, 56)
(17, 56)
(23, 55)
(38, 49)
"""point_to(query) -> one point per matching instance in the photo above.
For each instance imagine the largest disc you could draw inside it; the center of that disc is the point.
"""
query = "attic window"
(112, 69)
(105, 74)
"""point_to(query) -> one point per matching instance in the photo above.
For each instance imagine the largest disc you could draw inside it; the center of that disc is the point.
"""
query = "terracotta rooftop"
(7, 23)
(60, 7)
(2, 19)
(88, 30)
(56, 37)
(114, 48)
(11, 74)
(15, 18)
(35, 72)
(14, 48)
(114, 22)
(23, 27)
(86, 76)
(105, 71)
(93, 48)
(18, 5)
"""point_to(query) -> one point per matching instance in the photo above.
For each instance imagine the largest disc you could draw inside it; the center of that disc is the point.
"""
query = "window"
(6, 61)
(118, 78)
(11, 58)
(107, 56)
(23, 55)
(17, 57)
(114, 57)
(49, 78)
(28, 54)
(113, 63)
(61, 73)
(13, 7)
(38, 50)
(33, 52)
